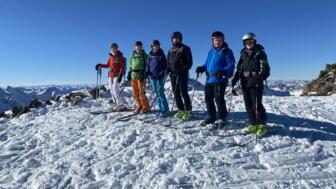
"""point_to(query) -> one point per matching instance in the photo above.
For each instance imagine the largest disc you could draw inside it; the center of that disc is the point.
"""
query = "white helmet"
(249, 35)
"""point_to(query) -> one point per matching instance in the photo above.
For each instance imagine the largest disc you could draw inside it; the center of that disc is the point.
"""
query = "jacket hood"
(160, 52)
(256, 47)
(118, 53)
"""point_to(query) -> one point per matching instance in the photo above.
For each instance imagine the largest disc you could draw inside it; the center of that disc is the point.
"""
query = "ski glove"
(129, 75)
(200, 69)
(97, 66)
(119, 78)
(234, 92)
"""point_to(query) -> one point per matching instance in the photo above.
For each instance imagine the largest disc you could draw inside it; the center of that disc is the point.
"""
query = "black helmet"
(138, 43)
(155, 42)
(217, 34)
(177, 34)
(114, 45)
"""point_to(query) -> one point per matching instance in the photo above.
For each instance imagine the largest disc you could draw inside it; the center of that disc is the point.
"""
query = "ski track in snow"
(67, 147)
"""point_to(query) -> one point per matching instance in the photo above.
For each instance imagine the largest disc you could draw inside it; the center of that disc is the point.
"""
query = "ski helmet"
(218, 34)
(177, 34)
(155, 42)
(249, 35)
(138, 43)
(114, 45)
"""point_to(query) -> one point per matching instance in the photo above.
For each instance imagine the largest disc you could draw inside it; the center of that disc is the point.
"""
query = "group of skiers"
(252, 70)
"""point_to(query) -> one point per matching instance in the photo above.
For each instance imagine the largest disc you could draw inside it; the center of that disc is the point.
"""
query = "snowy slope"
(67, 147)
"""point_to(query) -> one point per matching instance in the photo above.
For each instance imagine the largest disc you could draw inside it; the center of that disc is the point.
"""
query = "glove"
(200, 69)
(143, 76)
(119, 78)
(221, 73)
(234, 92)
(97, 66)
(129, 76)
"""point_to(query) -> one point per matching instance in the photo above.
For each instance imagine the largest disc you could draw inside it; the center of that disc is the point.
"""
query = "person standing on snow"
(252, 70)
(116, 63)
(156, 70)
(219, 67)
(137, 76)
(179, 63)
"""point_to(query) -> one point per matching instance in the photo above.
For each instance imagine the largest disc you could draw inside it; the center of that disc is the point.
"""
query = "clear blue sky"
(60, 41)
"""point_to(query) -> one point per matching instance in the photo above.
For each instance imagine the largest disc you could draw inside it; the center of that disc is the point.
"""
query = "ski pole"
(172, 109)
(193, 93)
(97, 84)
(195, 85)
(100, 80)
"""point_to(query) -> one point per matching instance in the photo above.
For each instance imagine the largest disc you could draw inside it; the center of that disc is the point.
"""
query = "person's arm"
(122, 66)
(167, 65)
(236, 76)
(189, 60)
(107, 64)
(264, 66)
(230, 63)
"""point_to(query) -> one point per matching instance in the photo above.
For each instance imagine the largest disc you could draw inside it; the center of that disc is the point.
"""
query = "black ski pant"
(180, 89)
(253, 104)
(215, 93)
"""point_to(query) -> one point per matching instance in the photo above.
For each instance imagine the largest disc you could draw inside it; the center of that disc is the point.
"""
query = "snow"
(63, 146)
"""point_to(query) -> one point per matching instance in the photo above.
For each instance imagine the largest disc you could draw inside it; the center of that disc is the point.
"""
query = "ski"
(126, 116)
(109, 111)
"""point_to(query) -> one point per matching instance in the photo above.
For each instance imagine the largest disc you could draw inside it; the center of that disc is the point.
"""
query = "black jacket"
(179, 59)
(252, 67)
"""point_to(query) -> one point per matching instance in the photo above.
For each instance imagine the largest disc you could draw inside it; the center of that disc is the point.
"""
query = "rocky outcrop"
(324, 85)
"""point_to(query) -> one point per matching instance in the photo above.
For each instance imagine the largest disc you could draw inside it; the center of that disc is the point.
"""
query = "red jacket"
(116, 63)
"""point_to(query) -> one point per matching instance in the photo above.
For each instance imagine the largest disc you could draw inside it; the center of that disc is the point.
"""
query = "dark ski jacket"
(156, 65)
(219, 59)
(179, 59)
(252, 67)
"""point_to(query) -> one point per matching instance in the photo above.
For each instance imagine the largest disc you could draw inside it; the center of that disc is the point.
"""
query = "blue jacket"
(219, 59)
(156, 65)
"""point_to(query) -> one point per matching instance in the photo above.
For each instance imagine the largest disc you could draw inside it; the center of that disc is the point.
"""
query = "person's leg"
(143, 97)
(154, 84)
(161, 94)
(210, 104)
(248, 100)
(261, 108)
(183, 85)
(177, 93)
(220, 101)
(111, 88)
(135, 91)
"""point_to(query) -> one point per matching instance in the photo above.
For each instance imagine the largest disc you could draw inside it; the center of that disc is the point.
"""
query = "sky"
(60, 41)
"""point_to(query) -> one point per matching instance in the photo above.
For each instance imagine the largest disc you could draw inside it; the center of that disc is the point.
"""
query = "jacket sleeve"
(167, 63)
(147, 66)
(264, 66)
(122, 66)
(206, 60)
(236, 76)
(164, 63)
(106, 65)
(188, 59)
(230, 63)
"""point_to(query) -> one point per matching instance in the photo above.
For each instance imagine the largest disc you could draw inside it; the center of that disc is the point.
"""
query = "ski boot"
(207, 122)
(261, 130)
(179, 114)
(251, 129)
(186, 115)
